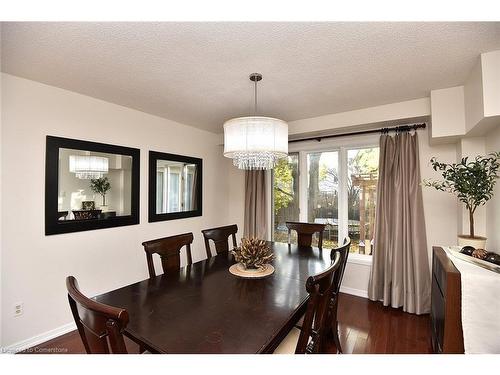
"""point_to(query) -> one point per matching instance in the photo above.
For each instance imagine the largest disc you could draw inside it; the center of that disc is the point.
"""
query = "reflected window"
(175, 184)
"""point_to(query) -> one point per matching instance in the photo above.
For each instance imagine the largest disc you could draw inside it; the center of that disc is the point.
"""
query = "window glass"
(173, 190)
(323, 194)
(285, 197)
(361, 197)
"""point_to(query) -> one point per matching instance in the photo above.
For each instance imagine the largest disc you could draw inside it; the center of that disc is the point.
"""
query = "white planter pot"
(475, 242)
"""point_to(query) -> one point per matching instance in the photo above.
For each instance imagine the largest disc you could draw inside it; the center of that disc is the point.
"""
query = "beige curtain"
(255, 204)
(400, 273)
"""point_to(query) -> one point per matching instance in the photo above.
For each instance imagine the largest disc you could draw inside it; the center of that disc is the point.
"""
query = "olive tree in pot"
(473, 183)
(101, 186)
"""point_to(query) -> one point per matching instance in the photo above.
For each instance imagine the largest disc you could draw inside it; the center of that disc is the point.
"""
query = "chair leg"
(336, 338)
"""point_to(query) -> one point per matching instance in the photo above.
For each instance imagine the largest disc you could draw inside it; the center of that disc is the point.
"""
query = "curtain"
(255, 204)
(400, 274)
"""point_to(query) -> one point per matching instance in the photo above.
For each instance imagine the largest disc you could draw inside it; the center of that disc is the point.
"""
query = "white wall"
(383, 113)
(34, 266)
(493, 206)
(448, 113)
(490, 65)
(440, 208)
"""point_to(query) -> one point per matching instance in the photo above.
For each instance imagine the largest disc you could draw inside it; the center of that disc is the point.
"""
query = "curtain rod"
(400, 128)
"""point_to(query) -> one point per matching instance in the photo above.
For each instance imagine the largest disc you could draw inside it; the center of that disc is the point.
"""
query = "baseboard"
(354, 292)
(38, 339)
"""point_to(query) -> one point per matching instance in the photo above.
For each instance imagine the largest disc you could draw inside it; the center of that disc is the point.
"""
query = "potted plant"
(473, 183)
(100, 186)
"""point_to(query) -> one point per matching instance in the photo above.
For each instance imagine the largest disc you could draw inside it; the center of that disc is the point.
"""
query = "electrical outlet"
(18, 309)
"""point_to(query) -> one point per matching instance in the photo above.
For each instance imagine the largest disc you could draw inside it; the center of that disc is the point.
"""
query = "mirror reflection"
(175, 186)
(93, 185)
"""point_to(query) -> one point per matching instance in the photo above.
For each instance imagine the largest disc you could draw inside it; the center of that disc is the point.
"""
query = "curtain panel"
(255, 204)
(400, 275)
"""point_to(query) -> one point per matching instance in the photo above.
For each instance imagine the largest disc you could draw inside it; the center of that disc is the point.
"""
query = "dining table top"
(203, 308)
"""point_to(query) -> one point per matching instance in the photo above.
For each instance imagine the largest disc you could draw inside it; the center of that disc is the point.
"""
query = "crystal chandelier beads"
(88, 167)
(255, 142)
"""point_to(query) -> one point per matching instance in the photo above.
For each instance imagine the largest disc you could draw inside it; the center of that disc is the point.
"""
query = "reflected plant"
(100, 186)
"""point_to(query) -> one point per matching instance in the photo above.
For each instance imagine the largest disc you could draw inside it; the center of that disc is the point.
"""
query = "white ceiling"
(197, 73)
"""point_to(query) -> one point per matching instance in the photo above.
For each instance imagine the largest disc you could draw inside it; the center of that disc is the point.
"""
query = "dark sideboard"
(446, 316)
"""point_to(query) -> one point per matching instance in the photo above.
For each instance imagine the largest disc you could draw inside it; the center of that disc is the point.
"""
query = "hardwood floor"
(365, 327)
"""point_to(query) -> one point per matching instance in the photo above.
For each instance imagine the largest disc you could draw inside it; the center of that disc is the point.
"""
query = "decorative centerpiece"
(253, 257)
(473, 182)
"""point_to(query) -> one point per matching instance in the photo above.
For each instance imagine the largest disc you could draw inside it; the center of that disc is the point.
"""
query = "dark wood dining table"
(203, 308)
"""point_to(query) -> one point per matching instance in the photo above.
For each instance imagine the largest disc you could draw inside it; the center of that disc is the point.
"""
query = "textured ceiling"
(197, 73)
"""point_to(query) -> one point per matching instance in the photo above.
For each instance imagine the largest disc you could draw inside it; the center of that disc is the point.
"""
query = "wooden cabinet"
(446, 321)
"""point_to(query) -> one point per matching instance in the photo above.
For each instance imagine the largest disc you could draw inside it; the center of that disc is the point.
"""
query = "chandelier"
(88, 167)
(255, 142)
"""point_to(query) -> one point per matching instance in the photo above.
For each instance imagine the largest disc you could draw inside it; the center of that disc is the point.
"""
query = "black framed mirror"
(175, 186)
(89, 185)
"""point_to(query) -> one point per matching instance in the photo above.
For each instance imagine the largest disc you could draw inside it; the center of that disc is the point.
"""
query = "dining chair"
(310, 338)
(337, 282)
(169, 250)
(100, 326)
(220, 237)
(305, 232)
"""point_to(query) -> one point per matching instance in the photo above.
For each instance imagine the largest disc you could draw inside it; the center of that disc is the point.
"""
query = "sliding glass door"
(285, 196)
(337, 186)
(362, 178)
(323, 194)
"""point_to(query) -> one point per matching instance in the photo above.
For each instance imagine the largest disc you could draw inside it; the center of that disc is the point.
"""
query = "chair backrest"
(316, 326)
(305, 232)
(220, 237)
(169, 250)
(100, 326)
(344, 253)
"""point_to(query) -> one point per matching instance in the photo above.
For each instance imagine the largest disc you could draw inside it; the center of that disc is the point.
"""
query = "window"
(339, 189)
(323, 194)
(362, 178)
(174, 179)
(159, 190)
(285, 196)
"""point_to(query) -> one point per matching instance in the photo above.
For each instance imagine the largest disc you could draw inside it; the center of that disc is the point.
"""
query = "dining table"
(203, 308)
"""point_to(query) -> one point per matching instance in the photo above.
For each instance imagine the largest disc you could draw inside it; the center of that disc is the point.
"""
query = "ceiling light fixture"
(255, 142)
(88, 167)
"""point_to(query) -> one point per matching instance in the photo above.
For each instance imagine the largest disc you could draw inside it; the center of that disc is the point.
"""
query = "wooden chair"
(305, 232)
(311, 336)
(100, 326)
(169, 249)
(337, 282)
(220, 237)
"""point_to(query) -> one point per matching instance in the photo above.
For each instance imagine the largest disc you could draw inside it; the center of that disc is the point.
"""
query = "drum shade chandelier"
(255, 142)
(88, 167)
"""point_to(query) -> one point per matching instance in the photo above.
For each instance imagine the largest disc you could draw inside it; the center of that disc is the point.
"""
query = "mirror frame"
(154, 156)
(55, 226)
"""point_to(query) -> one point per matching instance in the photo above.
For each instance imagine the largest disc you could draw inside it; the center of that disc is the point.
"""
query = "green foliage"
(471, 181)
(365, 161)
(283, 184)
(100, 185)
